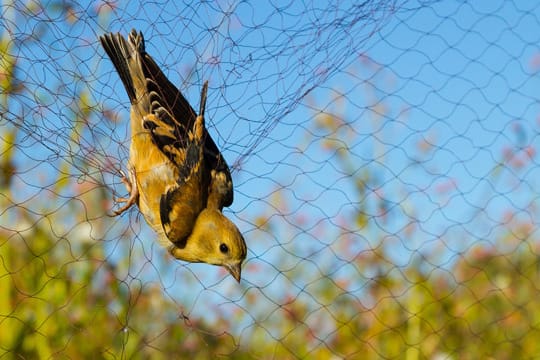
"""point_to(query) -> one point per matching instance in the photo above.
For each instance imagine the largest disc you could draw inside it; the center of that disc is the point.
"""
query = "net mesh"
(384, 161)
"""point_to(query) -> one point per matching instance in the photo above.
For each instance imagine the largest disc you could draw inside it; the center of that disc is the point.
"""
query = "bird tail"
(125, 56)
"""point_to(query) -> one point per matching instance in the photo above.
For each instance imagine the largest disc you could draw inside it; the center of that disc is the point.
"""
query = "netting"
(385, 172)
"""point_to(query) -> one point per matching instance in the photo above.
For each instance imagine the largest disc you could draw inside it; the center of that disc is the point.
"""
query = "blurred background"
(385, 171)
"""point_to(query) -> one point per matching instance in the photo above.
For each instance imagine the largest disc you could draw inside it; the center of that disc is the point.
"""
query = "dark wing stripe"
(165, 116)
(165, 209)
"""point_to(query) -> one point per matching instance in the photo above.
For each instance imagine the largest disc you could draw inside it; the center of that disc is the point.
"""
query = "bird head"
(215, 240)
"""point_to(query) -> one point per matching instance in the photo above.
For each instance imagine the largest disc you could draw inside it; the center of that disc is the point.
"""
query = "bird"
(177, 176)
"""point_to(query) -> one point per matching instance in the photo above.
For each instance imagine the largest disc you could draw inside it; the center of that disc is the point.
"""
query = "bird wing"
(177, 118)
(182, 203)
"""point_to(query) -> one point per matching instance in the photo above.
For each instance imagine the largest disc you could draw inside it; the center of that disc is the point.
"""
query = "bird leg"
(196, 134)
(202, 105)
(131, 187)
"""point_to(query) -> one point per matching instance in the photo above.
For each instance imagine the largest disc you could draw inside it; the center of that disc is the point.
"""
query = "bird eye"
(223, 248)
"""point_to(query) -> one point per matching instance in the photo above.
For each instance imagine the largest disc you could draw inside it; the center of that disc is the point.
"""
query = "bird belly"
(155, 174)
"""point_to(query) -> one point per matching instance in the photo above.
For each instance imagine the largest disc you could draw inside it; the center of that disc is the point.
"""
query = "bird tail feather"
(122, 53)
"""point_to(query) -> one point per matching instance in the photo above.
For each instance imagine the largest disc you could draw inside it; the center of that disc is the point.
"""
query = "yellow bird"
(176, 174)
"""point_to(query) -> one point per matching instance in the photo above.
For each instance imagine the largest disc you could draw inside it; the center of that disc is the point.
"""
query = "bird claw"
(126, 181)
(131, 187)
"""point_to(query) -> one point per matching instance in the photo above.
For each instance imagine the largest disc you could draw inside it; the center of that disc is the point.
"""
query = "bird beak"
(235, 270)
